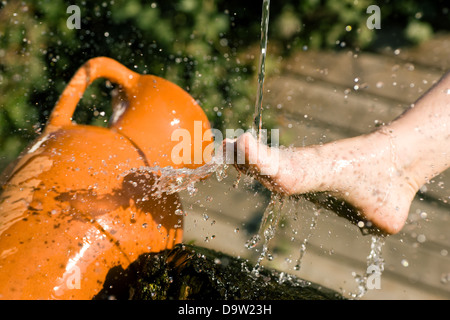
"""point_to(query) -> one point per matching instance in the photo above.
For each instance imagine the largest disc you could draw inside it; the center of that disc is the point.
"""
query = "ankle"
(406, 161)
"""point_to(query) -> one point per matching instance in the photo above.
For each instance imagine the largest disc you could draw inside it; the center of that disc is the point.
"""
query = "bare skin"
(378, 174)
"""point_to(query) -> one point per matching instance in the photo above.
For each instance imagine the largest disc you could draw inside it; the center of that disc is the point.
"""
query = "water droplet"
(221, 172)
(179, 212)
(236, 183)
(404, 263)
(191, 189)
(421, 238)
(252, 242)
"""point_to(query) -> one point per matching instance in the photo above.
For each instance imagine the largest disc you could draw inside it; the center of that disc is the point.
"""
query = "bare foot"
(378, 174)
(366, 172)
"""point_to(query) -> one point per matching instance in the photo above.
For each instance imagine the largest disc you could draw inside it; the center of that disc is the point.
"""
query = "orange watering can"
(71, 208)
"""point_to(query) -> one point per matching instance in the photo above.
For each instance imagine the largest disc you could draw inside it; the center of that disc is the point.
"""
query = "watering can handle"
(100, 67)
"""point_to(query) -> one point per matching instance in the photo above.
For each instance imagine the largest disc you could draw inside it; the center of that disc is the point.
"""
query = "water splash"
(375, 266)
(169, 180)
(302, 252)
(267, 229)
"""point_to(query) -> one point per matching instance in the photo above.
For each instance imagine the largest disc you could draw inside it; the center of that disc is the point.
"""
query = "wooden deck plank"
(349, 112)
(384, 76)
(433, 54)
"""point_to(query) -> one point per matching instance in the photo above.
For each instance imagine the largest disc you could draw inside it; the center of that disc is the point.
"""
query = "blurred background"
(328, 77)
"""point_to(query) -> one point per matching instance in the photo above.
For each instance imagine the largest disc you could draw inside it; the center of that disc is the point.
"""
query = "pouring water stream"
(257, 119)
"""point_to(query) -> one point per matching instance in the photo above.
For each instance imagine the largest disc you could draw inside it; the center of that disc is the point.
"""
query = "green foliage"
(207, 47)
